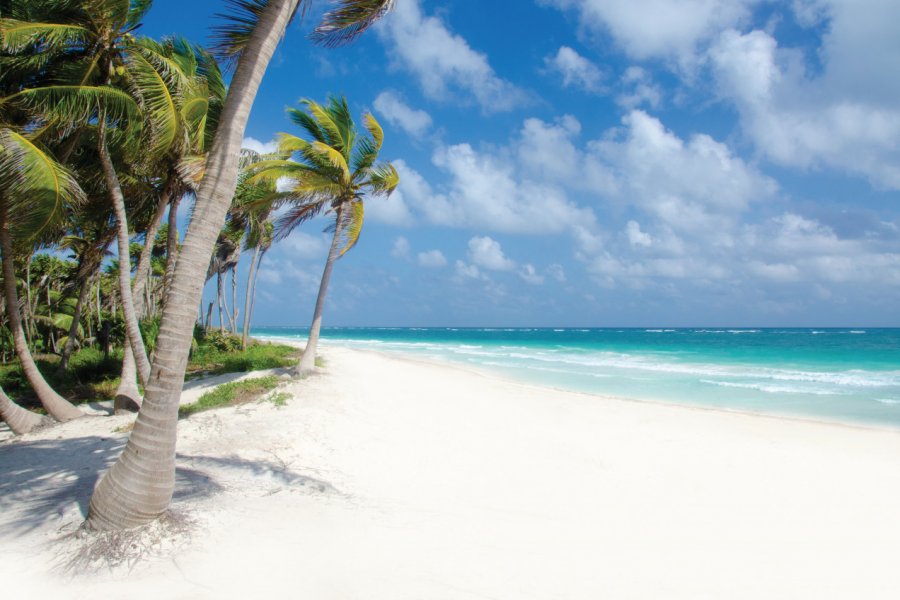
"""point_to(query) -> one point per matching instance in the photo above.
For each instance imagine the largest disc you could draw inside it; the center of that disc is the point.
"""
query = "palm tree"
(35, 192)
(336, 169)
(139, 486)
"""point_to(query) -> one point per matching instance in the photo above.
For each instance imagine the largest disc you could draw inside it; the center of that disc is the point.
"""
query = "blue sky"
(603, 163)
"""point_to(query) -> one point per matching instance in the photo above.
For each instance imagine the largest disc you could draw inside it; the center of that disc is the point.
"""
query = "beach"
(386, 477)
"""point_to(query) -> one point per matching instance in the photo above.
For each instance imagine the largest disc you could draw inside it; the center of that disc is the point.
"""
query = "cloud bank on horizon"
(607, 162)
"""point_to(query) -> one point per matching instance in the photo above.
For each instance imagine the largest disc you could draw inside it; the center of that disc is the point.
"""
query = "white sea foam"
(772, 389)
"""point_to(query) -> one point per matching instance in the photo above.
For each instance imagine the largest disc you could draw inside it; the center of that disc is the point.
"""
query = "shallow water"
(850, 375)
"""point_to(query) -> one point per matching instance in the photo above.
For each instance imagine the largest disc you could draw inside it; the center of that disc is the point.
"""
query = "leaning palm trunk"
(247, 306)
(83, 290)
(308, 360)
(58, 407)
(19, 420)
(118, 201)
(139, 486)
(171, 245)
(128, 397)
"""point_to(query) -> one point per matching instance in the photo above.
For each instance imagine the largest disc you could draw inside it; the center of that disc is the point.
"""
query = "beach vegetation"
(332, 170)
(231, 394)
(102, 133)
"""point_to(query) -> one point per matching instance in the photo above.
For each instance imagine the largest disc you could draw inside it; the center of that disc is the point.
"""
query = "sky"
(602, 163)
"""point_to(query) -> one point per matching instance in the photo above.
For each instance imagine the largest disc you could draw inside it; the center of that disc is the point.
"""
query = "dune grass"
(234, 393)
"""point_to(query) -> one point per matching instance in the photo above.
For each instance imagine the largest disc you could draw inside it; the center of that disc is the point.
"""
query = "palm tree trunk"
(250, 280)
(128, 397)
(58, 407)
(308, 360)
(234, 307)
(220, 294)
(171, 245)
(139, 486)
(83, 290)
(118, 202)
(19, 420)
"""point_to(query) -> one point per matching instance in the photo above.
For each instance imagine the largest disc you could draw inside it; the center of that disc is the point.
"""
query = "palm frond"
(383, 179)
(352, 222)
(75, 104)
(16, 36)
(331, 133)
(156, 93)
(137, 11)
(309, 124)
(295, 216)
(36, 190)
(348, 21)
(231, 37)
(334, 157)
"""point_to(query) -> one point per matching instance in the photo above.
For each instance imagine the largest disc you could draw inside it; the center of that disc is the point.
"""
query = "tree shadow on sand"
(44, 480)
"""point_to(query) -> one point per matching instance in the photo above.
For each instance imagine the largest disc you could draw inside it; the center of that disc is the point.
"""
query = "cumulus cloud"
(486, 252)
(413, 121)
(838, 120)
(260, 147)
(303, 246)
(530, 275)
(443, 62)
(401, 247)
(638, 89)
(465, 271)
(658, 28)
(575, 70)
(432, 259)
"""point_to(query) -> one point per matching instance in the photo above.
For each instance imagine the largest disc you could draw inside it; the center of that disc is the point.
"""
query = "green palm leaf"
(35, 190)
(350, 19)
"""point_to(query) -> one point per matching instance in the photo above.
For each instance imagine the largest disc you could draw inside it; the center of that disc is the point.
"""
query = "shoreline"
(496, 374)
(388, 478)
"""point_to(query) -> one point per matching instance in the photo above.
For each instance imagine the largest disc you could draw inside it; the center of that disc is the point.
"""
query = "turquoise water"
(848, 375)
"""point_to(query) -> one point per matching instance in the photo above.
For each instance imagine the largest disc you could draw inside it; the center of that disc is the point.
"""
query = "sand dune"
(386, 478)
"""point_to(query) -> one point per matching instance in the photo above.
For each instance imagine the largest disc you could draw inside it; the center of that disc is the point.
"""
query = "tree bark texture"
(19, 420)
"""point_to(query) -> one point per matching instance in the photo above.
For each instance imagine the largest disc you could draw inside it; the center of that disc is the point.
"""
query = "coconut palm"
(98, 70)
(35, 193)
(139, 486)
(336, 169)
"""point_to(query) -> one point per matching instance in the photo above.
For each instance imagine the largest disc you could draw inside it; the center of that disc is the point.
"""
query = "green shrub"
(230, 394)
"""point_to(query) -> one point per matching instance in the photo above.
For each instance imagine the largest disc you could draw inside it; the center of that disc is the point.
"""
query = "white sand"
(391, 479)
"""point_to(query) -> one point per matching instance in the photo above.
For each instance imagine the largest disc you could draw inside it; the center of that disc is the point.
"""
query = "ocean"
(849, 375)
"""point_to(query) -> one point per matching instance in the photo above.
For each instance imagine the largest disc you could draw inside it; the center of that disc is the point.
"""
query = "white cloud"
(486, 253)
(432, 259)
(443, 62)
(839, 120)
(576, 70)
(530, 275)
(258, 146)
(486, 191)
(303, 246)
(557, 272)
(658, 28)
(638, 89)
(464, 271)
(401, 247)
(413, 121)
(390, 210)
(693, 186)
(636, 237)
